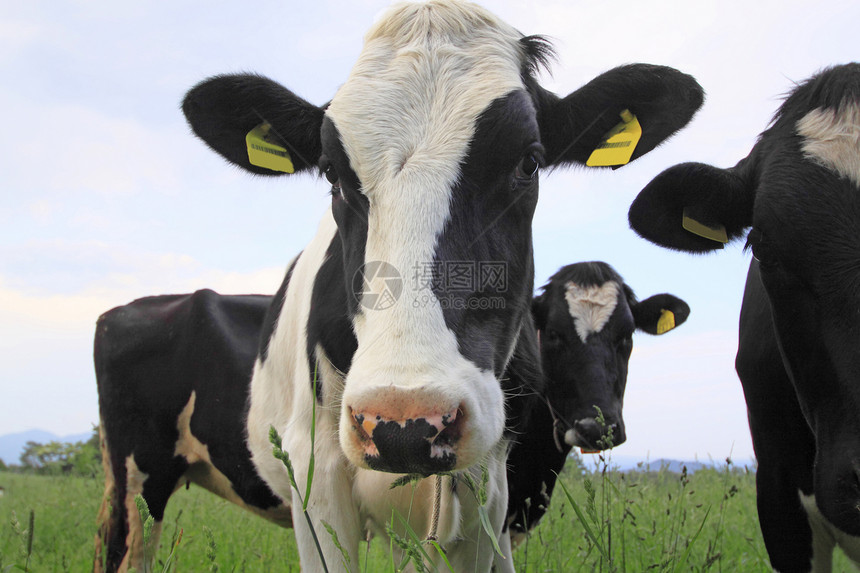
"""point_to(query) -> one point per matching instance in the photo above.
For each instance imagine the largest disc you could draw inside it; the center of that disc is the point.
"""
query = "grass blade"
(583, 521)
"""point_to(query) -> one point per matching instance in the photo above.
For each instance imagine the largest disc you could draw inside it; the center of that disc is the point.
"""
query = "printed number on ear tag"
(264, 152)
(717, 233)
(618, 145)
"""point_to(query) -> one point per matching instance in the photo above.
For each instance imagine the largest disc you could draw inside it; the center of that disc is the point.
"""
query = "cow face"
(799, 190)
(433, 148)
(586, 316)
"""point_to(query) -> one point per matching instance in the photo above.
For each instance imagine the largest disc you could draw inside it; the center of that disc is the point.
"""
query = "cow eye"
(330, 173)
(528, 166)
(762, 251)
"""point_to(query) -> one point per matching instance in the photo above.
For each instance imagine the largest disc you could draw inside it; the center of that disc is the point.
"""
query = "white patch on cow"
(280, 390)
(591, 307)
(203, 472)
(832, 138)
(825, 536)
(406, 116)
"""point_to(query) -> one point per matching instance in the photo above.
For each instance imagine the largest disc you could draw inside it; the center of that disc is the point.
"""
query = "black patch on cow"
(827, 89)
(493, 204)
(334, 301)
(330, 321)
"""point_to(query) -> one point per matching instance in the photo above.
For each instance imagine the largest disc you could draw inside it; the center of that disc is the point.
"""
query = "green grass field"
(610, 521)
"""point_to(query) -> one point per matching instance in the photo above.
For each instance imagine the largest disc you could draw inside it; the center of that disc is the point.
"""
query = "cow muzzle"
(590, 434)
(407, 434)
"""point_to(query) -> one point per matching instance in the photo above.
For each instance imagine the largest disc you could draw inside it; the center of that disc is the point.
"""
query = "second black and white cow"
(586, 317)
(173, 375)
(432, 146)
(798, 359)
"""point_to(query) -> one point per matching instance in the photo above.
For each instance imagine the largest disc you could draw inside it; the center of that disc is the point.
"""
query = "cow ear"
(660, 313)
(662, 99)
(692, 207)
(223, 110)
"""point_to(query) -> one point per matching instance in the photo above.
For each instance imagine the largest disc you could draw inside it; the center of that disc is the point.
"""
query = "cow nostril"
(450, 434)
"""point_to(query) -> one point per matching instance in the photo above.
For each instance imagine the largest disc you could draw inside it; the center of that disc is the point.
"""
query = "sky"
(107, 197)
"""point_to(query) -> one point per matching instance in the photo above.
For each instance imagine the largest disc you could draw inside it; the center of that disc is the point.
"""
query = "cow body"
(585, 316)
(433, 148)
(799, 191)
(173, 377)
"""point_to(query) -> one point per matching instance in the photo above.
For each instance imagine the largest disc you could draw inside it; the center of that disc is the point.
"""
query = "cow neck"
(556, 422)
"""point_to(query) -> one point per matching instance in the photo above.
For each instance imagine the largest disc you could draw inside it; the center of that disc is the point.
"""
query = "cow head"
(799, 190)
(586, 316)
(433, 148)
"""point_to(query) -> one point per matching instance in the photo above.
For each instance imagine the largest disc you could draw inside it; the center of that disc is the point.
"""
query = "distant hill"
(627, 463)
(11, 445)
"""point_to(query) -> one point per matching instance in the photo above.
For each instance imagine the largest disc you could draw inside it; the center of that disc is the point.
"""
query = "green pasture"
(600, 520)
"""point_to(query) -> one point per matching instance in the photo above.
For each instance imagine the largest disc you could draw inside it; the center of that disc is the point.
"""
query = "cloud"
(46, 337)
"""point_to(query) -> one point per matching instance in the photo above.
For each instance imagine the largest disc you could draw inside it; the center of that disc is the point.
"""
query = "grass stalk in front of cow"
(281, 454)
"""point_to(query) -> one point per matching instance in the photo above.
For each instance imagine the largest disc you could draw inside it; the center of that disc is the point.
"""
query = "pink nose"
(412, 444)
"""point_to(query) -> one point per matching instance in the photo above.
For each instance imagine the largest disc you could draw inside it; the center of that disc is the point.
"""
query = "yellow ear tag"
(263, 152)
(717, 233)
(666, 321)
(618, 145)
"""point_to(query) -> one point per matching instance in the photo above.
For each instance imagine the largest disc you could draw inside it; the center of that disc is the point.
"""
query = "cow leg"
(155, 489)
(110, 539)
(783, 443)
(785, 453)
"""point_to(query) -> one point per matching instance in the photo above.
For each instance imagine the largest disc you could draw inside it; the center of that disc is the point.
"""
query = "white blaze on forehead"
(832, 138)
(591, 307)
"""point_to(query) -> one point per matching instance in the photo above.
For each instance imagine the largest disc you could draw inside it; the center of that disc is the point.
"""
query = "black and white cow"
(173, 375)
(798, 359)
(433, 147)
(585, 316)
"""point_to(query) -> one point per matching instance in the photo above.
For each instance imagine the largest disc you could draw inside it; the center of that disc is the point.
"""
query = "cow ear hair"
(712, 197)
(223, 109)
(660, 313)
(663, 100)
